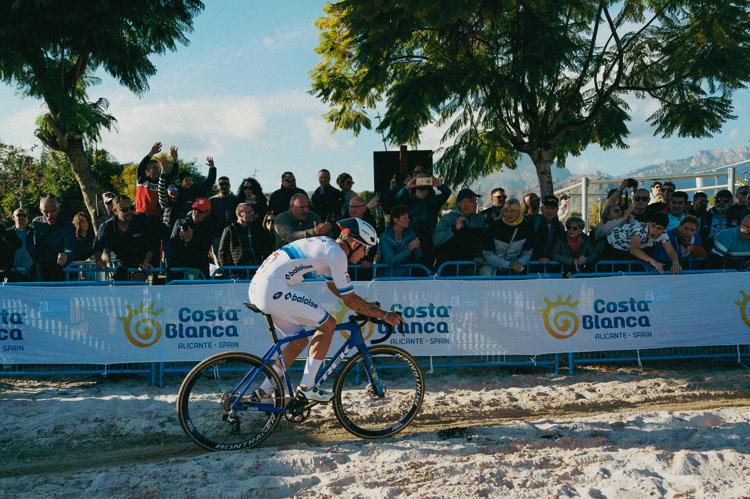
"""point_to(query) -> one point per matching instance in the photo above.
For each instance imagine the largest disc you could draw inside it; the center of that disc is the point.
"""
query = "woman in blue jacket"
(398, 244)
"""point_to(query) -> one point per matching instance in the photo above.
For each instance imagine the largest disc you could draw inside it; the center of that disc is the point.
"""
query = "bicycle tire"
(364, 414)
(202, 400)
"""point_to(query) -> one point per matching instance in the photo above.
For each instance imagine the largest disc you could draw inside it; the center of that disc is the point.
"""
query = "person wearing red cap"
(191, 238)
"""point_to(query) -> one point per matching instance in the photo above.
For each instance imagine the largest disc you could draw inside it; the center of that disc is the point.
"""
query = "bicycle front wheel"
(359, 408)
(204, 403)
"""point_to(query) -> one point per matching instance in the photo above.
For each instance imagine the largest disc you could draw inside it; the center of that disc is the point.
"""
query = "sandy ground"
(605, 432)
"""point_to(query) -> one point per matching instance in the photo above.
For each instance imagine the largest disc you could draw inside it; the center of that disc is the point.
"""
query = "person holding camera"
(192, 236)
(423, 205)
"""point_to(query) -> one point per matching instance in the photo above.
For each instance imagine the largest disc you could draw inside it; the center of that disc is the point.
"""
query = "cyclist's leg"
(321, 342)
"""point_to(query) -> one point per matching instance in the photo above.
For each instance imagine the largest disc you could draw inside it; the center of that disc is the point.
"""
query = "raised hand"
(173, 153)
(210, 161)
(155, 149)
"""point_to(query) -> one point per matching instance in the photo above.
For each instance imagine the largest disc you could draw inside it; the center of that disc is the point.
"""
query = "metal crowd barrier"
(554, 362)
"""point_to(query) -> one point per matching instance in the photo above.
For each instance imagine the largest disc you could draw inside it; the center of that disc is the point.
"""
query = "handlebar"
(361, 320)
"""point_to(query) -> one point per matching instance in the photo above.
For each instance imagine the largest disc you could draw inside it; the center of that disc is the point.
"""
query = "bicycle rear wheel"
(212, 386)
(361, 411)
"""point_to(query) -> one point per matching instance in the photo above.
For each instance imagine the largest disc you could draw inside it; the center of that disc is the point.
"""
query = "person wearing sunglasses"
(575, 252)
(274, 290)
(129, 237)
(719, 213)
(281, 197)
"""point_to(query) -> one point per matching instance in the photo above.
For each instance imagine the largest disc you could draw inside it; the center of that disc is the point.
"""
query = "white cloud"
(321, 134)
(578, 167)
(18, 128)
(201, 126)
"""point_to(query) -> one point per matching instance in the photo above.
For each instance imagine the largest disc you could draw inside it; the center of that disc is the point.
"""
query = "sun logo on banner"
(342, 314)
(560, 317)
(744, 308)
(140, 327)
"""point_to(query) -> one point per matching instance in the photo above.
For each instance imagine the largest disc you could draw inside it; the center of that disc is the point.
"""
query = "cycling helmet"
(359, 230)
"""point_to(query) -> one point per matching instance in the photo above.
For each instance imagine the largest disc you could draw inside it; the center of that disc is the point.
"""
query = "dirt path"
(97, 451)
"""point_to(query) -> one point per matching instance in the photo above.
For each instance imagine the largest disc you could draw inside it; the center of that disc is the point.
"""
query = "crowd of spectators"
(172, 224)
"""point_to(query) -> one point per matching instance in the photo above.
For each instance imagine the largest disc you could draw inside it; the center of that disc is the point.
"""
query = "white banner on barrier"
(106, 325)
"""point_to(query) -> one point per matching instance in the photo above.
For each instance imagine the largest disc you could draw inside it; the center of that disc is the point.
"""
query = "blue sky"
(239, 92)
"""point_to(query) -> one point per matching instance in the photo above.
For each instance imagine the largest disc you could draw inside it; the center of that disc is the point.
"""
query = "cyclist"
(272, 291)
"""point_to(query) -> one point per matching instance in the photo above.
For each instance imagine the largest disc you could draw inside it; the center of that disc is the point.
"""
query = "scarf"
(514, 222)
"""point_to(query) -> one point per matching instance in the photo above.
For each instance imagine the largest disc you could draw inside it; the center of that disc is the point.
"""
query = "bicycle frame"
(355, 340)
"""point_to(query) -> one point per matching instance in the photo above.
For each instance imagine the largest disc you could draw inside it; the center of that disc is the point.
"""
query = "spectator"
(459, 234)
(53, 240)
(389, 198)
(251, 192)
(326, 200)
(108, 199)
(239, 240)
(738, 211)
(699, 209)
(508, 243)
(83, 240)
(548, 231)
(172, 206)
(23, 260)
(636, 238)
(531, 205)
(678, 203)
(684, 239)
(424, 205)
(399, 244)
(190, 191)
(9, 244)
(192, 236)
(612, 216)
(655, 195)
(495, 211)
(667, 189)
(639, 208)
(147, 184)
(130, 238)
(358, 209)
(732, 246)
(281, 197)
(563, 212)
(719, 213)
(345, 183)
(223, 207)
(574, 251)
(298, 222)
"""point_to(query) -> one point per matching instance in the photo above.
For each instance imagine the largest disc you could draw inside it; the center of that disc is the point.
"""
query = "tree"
(50, 50)
(538, 77)
(19, 175)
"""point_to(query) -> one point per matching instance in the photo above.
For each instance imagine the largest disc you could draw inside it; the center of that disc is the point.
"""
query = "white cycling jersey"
(271, 289)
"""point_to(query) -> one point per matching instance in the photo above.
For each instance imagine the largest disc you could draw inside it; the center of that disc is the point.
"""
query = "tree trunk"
(82, 172)
(543, 162)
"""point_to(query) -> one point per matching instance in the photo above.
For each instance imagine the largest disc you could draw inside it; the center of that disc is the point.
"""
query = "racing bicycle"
(377, 393)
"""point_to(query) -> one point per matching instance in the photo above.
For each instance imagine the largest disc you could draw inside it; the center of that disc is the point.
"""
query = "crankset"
(297, 410)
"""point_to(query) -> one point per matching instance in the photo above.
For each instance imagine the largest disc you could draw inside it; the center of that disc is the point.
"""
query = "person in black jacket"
(191, 238)
(239, 243)
(53, 239)
(132, 239)
(547, 230)
(326, 200)
(281, 197)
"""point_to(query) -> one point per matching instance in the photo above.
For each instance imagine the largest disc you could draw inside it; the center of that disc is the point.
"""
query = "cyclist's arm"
(357, 303)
